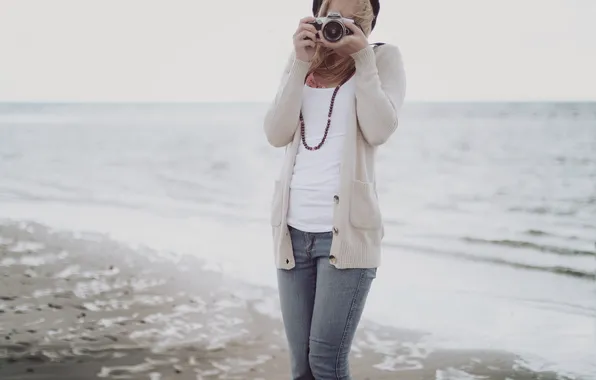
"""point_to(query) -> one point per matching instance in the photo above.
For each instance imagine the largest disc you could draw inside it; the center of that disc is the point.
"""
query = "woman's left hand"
(349, 44)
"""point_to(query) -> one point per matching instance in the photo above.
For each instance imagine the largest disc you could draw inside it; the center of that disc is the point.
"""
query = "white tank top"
(315, 180)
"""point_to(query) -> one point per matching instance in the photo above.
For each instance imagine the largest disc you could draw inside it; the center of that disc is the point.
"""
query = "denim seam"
(305, 236)
(348, 323)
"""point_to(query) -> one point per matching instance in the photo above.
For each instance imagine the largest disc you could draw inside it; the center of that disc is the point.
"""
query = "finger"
(309, 27)
(306, 34)
(336, 44)
(350, 24)
(306, 20)
(306, 43)
(355, 29)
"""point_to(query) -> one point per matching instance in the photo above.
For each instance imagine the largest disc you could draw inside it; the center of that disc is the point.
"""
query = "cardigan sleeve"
(281, 119)
(380, 91)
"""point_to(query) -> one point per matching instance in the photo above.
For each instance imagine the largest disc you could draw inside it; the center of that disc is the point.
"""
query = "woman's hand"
(349, 44)
(305, 40)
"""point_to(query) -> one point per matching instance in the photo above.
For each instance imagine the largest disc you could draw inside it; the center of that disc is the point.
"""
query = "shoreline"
(81, 306)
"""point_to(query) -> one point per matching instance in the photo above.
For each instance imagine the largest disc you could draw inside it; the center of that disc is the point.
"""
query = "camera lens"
(333, 31)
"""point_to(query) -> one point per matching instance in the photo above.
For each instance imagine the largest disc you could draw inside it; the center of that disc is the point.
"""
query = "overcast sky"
(234, 50)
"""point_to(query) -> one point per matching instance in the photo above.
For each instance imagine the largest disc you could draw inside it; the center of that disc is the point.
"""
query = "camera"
(332, 27)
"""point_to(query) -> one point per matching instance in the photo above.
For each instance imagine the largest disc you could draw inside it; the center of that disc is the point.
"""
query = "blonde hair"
(328, 65)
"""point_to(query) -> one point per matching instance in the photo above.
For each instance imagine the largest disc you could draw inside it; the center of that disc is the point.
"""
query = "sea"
(489, 208)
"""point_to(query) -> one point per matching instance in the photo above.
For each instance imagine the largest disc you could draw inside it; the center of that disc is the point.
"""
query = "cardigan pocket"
(276, 205)
(364, 206)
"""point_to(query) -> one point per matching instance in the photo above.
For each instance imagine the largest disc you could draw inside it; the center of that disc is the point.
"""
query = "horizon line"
(562, 101)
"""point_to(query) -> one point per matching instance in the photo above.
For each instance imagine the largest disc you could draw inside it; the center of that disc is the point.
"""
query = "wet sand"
(81, 307)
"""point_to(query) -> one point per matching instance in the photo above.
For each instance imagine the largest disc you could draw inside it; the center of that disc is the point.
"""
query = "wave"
(534, 246)
(559, 270)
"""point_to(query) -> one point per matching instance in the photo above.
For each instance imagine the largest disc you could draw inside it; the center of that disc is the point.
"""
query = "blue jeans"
(321, 307)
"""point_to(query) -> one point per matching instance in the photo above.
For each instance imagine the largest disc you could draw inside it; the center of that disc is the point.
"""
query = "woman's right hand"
(305, 40)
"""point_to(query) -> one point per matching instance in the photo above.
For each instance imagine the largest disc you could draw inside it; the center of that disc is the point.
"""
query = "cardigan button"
(287, 261)
(336, 199)
(335, 231)
(332, 259)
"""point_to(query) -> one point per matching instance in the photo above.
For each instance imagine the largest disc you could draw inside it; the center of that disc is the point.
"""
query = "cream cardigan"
(358, 227)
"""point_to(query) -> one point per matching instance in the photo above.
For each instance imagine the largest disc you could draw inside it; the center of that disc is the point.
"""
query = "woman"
(337, 102)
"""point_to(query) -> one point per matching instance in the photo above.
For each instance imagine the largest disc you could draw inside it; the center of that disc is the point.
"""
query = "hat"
(316, 5)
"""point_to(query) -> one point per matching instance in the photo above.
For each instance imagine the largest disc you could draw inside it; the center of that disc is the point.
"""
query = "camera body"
(332, 27)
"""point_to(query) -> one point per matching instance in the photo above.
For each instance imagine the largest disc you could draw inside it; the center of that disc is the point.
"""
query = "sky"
(234, 50)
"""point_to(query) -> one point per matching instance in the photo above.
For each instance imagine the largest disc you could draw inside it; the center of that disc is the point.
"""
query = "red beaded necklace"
(302, 128)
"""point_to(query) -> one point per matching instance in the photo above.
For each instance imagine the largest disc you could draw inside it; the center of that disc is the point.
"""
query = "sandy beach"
(81, 306)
